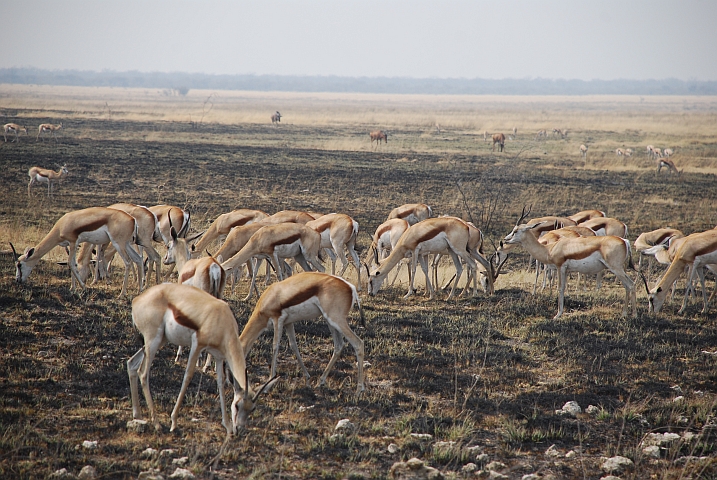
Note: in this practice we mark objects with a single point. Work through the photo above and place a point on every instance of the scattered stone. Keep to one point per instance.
(570, 408)
(149, 452)
(336, 438)
(553, 451)
(683, 420)
(303, 409)
(62, 473)
(652, 451)
(137, 426)
(444, 445)
(167, 452)
(496, 466)
(610, 477)
(692, 458)
(180, 461)
(89, 445)
(88, 472)
(345, 425)
(183, 474)
(497, 476)
(616, 464)
(641, 418)
(571, 454)
(531, 476)
(676, 388)
(393, 448)
(678, 399)
(474, 450)
(469, 468)
(414, 469)
(687, 437)
(482, 458)
(659, 439)
(422, 436)
(151, 474)
(592, 410)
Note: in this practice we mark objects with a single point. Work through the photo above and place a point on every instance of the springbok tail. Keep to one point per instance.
(215, 279)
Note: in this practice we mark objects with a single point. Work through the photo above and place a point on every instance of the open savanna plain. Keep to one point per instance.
(488, 371)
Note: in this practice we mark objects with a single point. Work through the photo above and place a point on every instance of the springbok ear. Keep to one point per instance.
(29, 252)
(219, 259)
(659, 289)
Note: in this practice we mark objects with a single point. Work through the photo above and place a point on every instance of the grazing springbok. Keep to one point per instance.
(498, 138)
(180, 218)
(338, 232)
(668, 152)
(583, 254)
(377, 136)
(606, 226)
(220, 228)
(95, 225)
(619, 152)
(13, 128)
(557, 131)
(444, 235)
(48, 127)
(541, 133)
(693, 253)
(628, 152)
(186, 316)
(288, 216)
(385, 239)
(43, 175)
(666, 162)
(274, 242)
(584, 151)
(235, 241)
(650, 150)
(411, 212)
(276, 118)
(307, 296)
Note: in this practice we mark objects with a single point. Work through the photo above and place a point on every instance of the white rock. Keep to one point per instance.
(303, 409)
(344, 425)
(571, 454)
(678, 399)
(482, 458)
(62, 473)
(88, 472)
(393, 448)
(138, 426)
(497, 476)
(167, 452)
(444, 444)
(182, 473)
(687, 437)
(149, 452)
(572, 408)
(89, 445)
(610, 477)
(180, 461)
(553, 451)
(659, 439)
(530, 476)
(652, 451)
(592, 410)
(495, 466)
(469, 468)
(474, 450)
(151, 474)
(616, 464)
(422, 436)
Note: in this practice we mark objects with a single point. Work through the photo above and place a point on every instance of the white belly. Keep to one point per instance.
(40, 178)
(437, 244)
(306, 310)
(589, 264)
(176, 333)
(288, 250)
(98, 237)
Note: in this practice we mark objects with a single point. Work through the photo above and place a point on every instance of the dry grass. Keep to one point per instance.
(487, 371)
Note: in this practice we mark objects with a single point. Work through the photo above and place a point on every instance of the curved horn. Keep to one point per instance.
(524, 214)
(14, 253)
(264, 387)
(647, 289)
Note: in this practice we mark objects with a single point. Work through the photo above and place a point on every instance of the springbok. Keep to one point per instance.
(666, 162)
(585, 215)
(668, 152)
(498, 138)
(47, 127)
(276, 118)
(186, 316)
(13, 128)
(338, 232)
(619, 152)
(224, 223)
(584, 151)
(43, 175)
(411, 212)
(377, 136)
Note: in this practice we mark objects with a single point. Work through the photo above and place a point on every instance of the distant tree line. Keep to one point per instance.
(293, 83)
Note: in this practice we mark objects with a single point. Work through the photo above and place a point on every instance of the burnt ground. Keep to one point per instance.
(487, 371)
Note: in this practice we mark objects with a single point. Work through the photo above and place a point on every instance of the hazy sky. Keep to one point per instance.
(571, 39)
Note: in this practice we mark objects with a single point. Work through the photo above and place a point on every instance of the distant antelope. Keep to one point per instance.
(44, 175)
(628, 152)
(666, 162)
(515, 132)
(541, 133)
(276, 118)
(486, 135)
(584, 151)
(557, 131)
(656, 152)
(649, 150)
(377, 136)
(667, 152)
(498, 138)
(438, 128)
(619, 152)
(47, 127)
(13, 128)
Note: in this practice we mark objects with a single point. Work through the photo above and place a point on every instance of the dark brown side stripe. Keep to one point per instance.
(301, 297)
(182, 319)
(186, 275)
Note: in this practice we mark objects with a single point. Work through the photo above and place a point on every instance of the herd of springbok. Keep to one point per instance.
(191, 312)
(661, 157)
(14, 128)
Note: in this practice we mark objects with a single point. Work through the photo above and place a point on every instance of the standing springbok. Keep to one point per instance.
(224, 223)
(585, 215)
(377, 136)
(276, 118)
(307, 296)
(48, 127)
(584, 152)
(95, 225)
(187, 316)
(13, 128)
(44, 175)
(668, 152)
(498, 138)
(338, 232)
